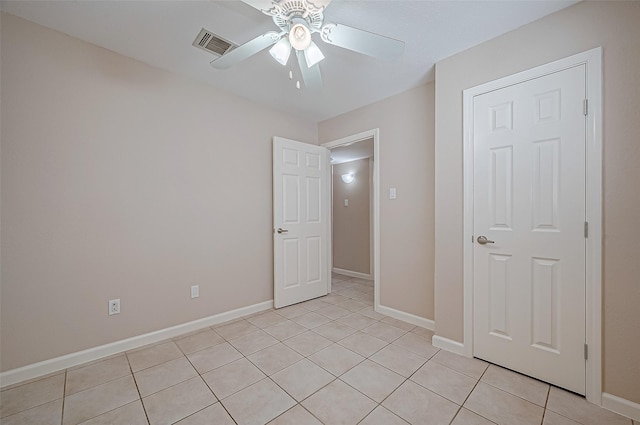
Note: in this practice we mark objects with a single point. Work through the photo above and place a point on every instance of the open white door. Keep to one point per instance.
(301, 221)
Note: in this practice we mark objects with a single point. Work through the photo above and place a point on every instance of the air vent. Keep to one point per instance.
(212, 43)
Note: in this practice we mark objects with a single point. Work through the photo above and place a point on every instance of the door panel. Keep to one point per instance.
(545, 304)
(501, 187)
(499, 295)
(529, 200)
(301, 202)
(546, 169)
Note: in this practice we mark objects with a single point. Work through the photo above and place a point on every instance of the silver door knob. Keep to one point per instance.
(482, 240)
(281, 230)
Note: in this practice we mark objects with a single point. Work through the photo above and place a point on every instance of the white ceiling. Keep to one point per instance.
(358, 150)
(160, 33)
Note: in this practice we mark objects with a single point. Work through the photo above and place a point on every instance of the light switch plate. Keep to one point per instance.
(392, 193)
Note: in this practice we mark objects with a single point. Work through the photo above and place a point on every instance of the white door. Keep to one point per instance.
(301, 221)
(529, 203)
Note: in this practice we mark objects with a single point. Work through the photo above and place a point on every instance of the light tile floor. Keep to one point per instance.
(331, 361)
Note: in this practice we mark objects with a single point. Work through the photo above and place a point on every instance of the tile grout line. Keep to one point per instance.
(378, 404)
(471, 392)
(394, 390)
(456, 415)
(544, 408)
(566, 417)
(460, 406)
(335, 377)
(64, 396)
(546, 402)
(207, 385)
(33, 381)
(107, 382)
(298, 403)
(275, 383)
(135, 382)
(214, 396)
(266, 376)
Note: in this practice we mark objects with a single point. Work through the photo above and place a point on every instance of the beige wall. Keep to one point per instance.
(407, 223)
(614, 26)
(351, 248)
(111, 176)
(124, 181)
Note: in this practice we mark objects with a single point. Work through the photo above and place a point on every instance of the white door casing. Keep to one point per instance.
(301, 221)
(529, 200)
(375, 211)
(592, 59)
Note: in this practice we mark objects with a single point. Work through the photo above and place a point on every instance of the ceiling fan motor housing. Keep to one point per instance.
(284, 12)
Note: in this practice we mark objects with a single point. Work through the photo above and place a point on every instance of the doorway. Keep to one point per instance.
(540, 278)
(357, 158)
(352, 227)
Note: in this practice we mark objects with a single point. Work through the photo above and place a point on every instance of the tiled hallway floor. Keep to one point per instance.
(329, 361)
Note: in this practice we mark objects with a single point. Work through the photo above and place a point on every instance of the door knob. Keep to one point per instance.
(482, 240)
(281, 230)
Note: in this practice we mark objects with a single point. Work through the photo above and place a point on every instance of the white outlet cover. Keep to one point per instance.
(392, 193)
(195, 291)
(114, 307)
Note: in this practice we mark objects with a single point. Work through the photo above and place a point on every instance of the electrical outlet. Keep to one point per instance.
(114, 307)
(195, 291)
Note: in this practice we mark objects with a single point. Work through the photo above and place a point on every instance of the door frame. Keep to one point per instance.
(375, 212)
(592, 59)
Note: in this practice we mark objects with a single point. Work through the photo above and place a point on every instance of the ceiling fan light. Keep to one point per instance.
(313, 54)
(281, 51)
(299, 35)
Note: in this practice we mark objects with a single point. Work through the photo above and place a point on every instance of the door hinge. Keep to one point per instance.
(586, 229)
(586, 351)
(585, 107)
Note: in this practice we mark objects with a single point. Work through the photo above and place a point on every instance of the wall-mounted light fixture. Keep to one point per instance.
(348, 178)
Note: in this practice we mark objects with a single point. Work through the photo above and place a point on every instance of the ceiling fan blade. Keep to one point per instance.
(311, 76)
(262, 5)
(246, 50)
(361, 41)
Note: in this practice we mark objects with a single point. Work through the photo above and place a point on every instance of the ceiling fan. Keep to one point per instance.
(297, 20)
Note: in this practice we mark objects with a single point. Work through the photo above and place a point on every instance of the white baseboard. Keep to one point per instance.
(46, 367)
(621, 406)
(406, 317)
(352, 274)
(448, 344)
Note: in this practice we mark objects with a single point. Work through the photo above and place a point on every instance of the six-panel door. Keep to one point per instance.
(529, 199)
(301, 189)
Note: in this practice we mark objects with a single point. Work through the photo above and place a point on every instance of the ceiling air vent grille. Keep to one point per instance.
(206, 40)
